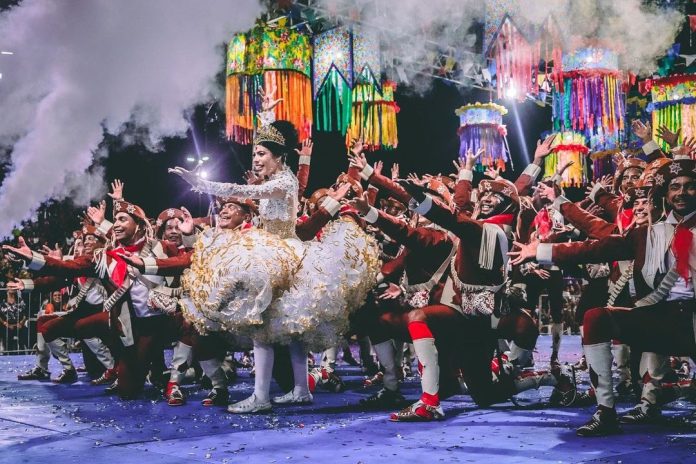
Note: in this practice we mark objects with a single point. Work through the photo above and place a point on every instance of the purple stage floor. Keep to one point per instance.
(55, 424)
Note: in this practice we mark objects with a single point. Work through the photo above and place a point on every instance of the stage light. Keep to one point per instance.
(511, 93)
(203, 174)
(190, 159)
(205, 157)
(6, 53)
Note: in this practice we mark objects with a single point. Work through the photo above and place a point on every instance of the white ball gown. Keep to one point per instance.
(266, 284)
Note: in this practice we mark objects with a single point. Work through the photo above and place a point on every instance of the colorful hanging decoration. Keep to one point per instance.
(333, 79)
(343, 57)
(373, 119)
(270, 59)
(516, 62)
(673, 105)
(568, 146)
(589, 97)
(481, 126)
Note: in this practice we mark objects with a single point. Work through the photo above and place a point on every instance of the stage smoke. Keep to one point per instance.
(80, 67)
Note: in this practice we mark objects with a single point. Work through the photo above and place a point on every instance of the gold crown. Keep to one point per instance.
(268, 134)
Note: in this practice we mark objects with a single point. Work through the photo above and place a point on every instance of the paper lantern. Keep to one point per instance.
(589, 97)
(568, 146)
(268, 59)
(481, 126)
(673, 105)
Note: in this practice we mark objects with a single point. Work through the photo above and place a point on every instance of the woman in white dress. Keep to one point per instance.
(267, 284)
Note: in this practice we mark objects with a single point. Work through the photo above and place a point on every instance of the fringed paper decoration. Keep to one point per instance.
(481, 126)
(516, 62)
(589, 97)
(568, 146)
(333, 79)
(374, 116)
(673, 105)
(270, 59)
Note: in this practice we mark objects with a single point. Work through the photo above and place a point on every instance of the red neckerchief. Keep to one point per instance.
(542, 223)
(681, 246)
(500, 219)
(624, 219)
(121, 269)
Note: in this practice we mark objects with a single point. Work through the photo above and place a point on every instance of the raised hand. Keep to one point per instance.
(668, 136)
(361, 204)
(189, 176)
(687, 148)
(642, 130)
(395, 171)
(415, 179)
(56, 252)
(391, 293)
(306, 149)
(357, 146)
(544, 148)
(357, 160)
(21, 251)
(97, 214)
(251, 178)
(525, 252)
(186, 226)
(561, 168)
(378, 167)
(267, 100)
(459, 165)
(546, 192)
(116, 190)
(340, 192)
(619, 158)
(415, 190)
(471, 159)
(493, 173)
(134, 260)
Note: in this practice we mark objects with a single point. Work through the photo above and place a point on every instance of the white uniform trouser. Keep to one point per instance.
(58, 348)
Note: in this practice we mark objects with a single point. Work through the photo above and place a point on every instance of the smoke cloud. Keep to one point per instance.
(80, 67)
(641, 33)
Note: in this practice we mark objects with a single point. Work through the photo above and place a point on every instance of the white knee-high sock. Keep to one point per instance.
(298, 358)
(424, 343)
(386, 357)
(599, 362)
(263, 365)
(328, 358)
(180, 357)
